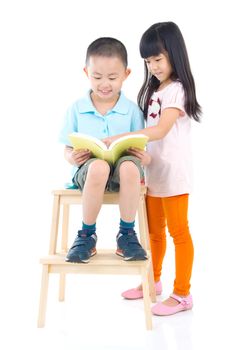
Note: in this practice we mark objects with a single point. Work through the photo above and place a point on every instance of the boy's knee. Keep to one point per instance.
(129, 171)
(98, 170)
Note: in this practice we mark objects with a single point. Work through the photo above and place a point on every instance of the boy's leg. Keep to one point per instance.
(129, 181)
(91, 179)
(129, 190)
(92, 193)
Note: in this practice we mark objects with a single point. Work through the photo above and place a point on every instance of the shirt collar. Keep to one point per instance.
(85, 105)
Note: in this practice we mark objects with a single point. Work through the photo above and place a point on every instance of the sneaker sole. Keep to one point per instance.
(76, 261)
(131, 258)
(135, 258)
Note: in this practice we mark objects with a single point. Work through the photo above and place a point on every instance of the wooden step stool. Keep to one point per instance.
(104, 262)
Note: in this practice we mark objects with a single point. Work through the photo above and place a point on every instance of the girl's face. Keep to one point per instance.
(106, 75)
(160, 67)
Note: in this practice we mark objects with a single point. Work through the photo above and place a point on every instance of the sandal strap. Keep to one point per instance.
(183, 301)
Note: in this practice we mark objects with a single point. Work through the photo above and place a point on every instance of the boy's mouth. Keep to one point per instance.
(105, 92)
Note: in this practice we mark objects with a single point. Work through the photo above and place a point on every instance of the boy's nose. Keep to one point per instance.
(105, 83)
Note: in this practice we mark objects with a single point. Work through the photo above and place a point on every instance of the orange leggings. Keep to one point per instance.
(171, 211)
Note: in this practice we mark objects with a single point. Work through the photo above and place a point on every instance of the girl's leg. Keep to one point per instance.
(92, 194)
(157, 232)
(176, 210)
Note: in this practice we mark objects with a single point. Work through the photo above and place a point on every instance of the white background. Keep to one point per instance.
(43, 45)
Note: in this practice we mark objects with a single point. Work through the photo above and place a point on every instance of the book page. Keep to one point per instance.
(83, 141)
(118, 147)
(132, 139)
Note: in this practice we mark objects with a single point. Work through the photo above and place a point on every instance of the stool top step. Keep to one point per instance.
(102, 258)
(68, 192)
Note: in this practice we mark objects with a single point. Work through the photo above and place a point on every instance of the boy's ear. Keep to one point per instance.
(128, 71)
(86, 71)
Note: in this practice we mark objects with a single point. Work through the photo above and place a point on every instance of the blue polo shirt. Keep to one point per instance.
(83, 117)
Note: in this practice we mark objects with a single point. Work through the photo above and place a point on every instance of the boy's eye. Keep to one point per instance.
(112, 78)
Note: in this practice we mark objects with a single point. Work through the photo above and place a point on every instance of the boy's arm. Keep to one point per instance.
(76, 157)
(144, 156)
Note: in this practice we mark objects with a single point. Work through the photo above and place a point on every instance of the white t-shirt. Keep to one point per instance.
(170, 171)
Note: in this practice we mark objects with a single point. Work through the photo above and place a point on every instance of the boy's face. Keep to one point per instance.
(106, 75)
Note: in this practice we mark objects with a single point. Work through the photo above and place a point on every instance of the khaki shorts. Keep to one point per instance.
(113, 180)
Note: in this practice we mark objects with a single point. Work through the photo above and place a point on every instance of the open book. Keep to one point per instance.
(101, 151)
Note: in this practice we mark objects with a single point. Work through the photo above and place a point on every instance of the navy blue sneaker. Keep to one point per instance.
(83, 248)
(129, 247)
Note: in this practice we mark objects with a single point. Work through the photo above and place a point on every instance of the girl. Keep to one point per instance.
(168, 100)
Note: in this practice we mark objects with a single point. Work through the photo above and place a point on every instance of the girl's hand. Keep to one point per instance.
(77, 157)
(110, 139)
(144, 156)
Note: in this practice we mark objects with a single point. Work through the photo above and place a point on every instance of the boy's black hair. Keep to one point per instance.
(107, 47)
(167, 38)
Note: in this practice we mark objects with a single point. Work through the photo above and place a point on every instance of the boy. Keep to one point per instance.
(104, 112)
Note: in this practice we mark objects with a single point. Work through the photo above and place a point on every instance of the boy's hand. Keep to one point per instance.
(80, 156)
(77, 157)
(144, 156)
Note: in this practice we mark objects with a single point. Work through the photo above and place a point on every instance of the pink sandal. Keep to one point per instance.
(185, 303)
(136, 293)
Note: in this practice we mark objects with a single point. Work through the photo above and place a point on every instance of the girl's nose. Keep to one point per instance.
(153, 66)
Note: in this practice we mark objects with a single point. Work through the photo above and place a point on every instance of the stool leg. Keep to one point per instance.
(145, 241)
(152, 283)
(43, 296)
(146, 298)
(62, 286)
(143, 223)
(65, 226)
(64, 242)
(54, 224)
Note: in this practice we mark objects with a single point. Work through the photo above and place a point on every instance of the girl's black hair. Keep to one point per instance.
(167, 38)
(107, 47)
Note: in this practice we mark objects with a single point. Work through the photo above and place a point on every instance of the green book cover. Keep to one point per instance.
(100, 150)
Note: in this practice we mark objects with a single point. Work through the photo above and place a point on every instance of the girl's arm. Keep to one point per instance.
(157, 132)
(167, 120)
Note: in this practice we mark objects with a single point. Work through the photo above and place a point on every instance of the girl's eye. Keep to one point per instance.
(112, 78)
(97, 78)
